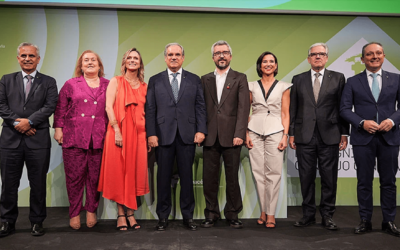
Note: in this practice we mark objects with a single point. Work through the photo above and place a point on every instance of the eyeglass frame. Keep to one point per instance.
(222, 53)
(320, 54)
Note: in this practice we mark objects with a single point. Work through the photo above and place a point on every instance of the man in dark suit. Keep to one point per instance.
(175, 122)
(317, 133)
(375, 134)
(27, 99)
(227, 97)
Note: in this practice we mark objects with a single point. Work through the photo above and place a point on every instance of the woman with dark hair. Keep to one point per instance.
(123, 174)
(80, 123)
(267, 134)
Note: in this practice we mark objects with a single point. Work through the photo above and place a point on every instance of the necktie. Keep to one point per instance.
(317, 86)
(28, 86)
(174, 85)
(375, 86)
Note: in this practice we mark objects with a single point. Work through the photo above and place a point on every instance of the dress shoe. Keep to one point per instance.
(190, 224)
(328, 223)
(37, 229)
(236, 224)
(207, 223)
(6, 229)
(162, 225)
(390, 228)
(363, 227)
(304, 222)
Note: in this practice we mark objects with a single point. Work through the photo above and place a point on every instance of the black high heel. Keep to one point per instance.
(122, 227)
(135, 226)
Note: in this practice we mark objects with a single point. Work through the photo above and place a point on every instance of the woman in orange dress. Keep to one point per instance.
(123, 174)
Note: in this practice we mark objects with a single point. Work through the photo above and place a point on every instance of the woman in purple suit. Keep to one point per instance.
(80, 123)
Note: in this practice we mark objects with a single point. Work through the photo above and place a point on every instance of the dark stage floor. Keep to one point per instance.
(104, 236)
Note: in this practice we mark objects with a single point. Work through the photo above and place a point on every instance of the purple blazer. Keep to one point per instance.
(82, 114)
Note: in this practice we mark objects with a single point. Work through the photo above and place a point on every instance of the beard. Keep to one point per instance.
(226, 65)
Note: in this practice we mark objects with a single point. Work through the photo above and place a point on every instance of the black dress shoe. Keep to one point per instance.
(363, 227)
(328, 223)
(37, 229)
(390, 228)
(162, 225)
(236, 224)
(6, 229)
(304, 222)
(207, 223)
(190, 224)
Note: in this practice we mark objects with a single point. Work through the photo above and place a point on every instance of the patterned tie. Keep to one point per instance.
(174, 85)
(317, 86)
(375, 86)
(28, 85)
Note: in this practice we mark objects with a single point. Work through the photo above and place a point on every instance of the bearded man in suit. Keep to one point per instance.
(317, 133)
(27, 100)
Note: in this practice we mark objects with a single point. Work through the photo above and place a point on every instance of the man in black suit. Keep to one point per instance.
(317, 133)
(375, 134)
(227, 97)
(27, 99)
(175, 122)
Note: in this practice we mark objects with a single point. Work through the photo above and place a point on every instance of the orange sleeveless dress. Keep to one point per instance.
(124, 174)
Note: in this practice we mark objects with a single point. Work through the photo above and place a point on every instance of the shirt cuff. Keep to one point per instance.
(391, 121)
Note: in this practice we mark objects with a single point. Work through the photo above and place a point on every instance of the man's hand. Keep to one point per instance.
(30, 132)
(291, 142)
(343, 142)
(370, 126)
(199, 138)
(23, 125)
(152, 141)
(385, 125)
(237, 141)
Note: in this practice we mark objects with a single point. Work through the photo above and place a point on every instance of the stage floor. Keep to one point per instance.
(104, 236)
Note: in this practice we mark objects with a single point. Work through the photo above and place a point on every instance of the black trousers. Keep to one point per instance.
(211, 169)
(11, 164)
(165, 156)
(327, 157)
(387, 159)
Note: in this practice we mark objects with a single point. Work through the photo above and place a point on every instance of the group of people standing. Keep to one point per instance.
(107, 127)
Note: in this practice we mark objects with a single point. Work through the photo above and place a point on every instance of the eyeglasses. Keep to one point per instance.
(320, 54)
(222, 53)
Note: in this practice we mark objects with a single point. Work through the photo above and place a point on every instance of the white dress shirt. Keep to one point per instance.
(178, 77)
(370, 78)
(322, 72)
(33, 74)
(220, 82)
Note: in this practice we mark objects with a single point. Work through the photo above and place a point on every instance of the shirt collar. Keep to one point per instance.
(33, 74)
(369, 72)
(170, 72)
(224, 74)
(322, 72)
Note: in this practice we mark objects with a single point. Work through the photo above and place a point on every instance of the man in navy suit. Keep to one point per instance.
(175, 122)
(375, 134)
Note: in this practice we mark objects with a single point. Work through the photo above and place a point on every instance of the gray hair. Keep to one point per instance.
(366, 45)
(28, 44)
(220, 42)
(319, 44)
(173, 44)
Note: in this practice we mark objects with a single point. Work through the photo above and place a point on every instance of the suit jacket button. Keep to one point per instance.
(85, 100)
(219, 112)
(269, 111)
(93, 116)
(95, 102)
(82, 115)
(24, 108)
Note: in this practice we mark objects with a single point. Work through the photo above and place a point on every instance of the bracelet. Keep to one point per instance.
(112, 123)
(286, 135)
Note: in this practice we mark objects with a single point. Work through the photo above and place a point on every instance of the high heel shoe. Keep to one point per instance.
(134, 226)
(124, 226)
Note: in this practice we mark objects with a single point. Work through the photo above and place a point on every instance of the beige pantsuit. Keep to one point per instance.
(266, 132)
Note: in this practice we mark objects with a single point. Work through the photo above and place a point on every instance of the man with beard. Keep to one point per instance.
(375, 134)
(226, 94)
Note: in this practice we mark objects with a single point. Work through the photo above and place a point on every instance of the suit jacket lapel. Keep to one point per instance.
(85, 87)
(35, 84)
(326, 79)
(364, 82)
(182, 86)
(212, 88)
(167, 85)
(229, 83)
(386, 83)
(102, 87)
(21, 87)
(309, 86)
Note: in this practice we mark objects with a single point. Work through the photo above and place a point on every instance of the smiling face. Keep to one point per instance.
(268, 65)
(132, 62)
(317, 58)
(90, 64)
(373, 57)
(28, 59)
(174, 58)
(222, 56)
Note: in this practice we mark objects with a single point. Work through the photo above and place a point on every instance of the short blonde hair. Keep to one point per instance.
(78, 68)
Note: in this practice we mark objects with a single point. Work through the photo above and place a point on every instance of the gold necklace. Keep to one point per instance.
(133, 83)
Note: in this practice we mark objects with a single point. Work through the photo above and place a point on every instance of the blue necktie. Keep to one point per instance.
(375, 86)
(174, 85)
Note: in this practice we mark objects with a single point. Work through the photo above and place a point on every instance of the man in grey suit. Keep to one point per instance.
(27, 99)
(317, 133)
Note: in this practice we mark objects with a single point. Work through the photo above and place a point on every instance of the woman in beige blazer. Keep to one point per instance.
(267, 134)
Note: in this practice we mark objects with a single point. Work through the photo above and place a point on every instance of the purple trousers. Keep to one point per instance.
(82, 168)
